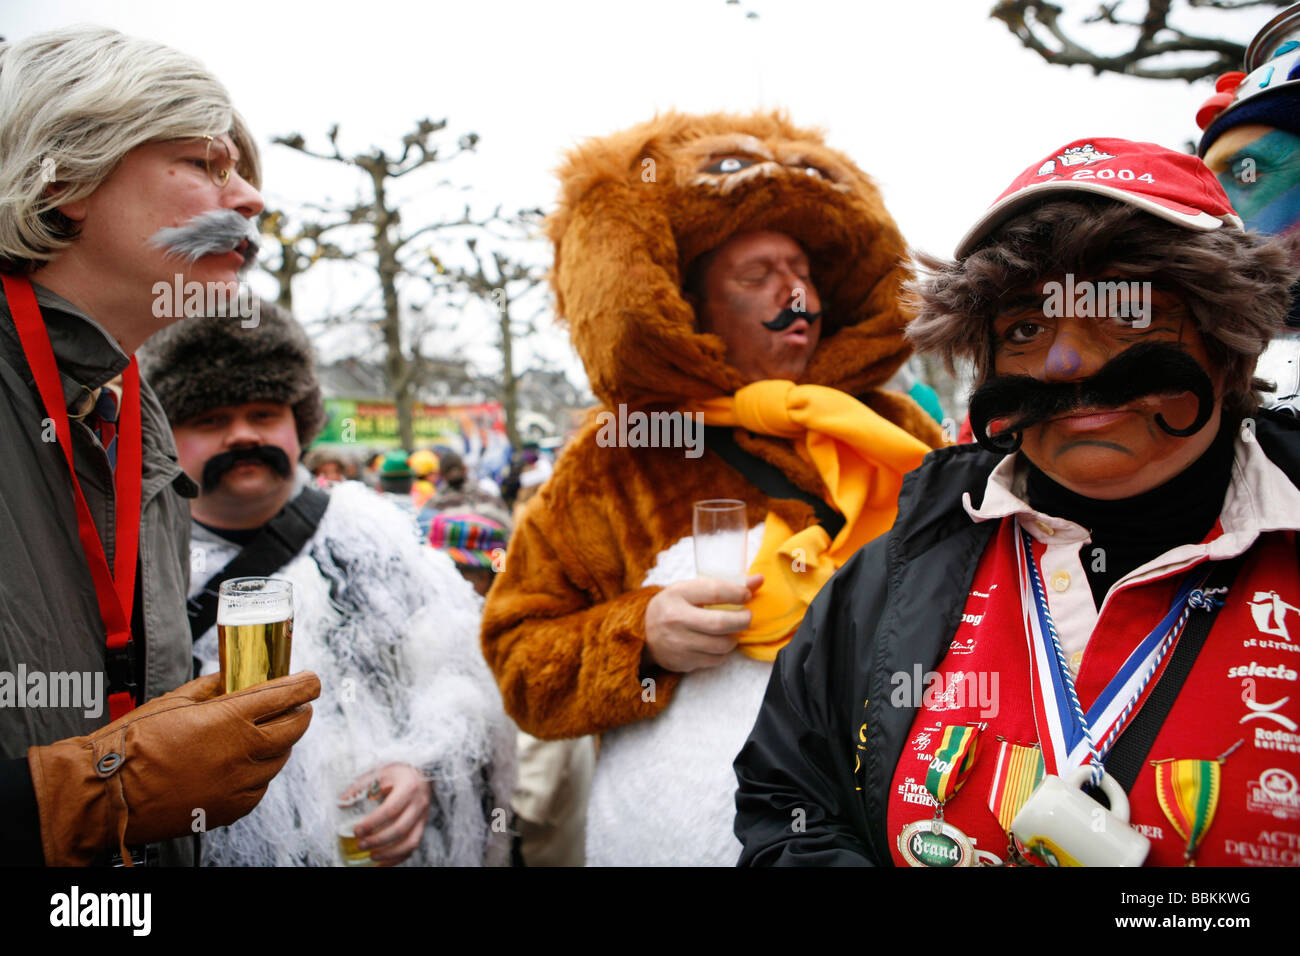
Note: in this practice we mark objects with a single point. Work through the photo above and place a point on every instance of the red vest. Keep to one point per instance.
(1245, 685)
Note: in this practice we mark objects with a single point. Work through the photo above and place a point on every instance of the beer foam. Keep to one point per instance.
(270, 613)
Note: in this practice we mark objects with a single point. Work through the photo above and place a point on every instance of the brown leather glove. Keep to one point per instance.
(141, 778)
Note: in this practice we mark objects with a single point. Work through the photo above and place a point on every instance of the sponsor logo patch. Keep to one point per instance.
(1270, 613)
(1279, 740)
(1268, 712)
(913, 792)
(1255, 669)
(1276, 793)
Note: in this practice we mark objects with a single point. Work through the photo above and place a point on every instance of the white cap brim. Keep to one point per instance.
(1007, 207)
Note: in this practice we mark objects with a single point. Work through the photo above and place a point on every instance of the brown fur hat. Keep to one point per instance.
(198, 364)
(1235, 285)
(638, 207)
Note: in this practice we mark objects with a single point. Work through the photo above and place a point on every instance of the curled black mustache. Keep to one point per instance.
(788, 317)
(209, 233)
(221, 463)
(1152, 368)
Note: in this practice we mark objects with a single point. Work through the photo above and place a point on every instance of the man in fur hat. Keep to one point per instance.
(409, 713)
(123, 170)
(1103, 594)
(731, 284)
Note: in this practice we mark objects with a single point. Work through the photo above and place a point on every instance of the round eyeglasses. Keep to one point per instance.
(219, 163)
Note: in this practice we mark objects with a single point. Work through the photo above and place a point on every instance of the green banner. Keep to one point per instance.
(372, 424)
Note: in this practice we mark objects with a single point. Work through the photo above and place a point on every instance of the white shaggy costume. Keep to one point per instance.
(629, 818)
(391, 629)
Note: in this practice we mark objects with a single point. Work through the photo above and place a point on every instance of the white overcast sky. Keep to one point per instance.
(935, 100)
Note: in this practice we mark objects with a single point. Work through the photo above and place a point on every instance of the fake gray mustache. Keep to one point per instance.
(211, 233)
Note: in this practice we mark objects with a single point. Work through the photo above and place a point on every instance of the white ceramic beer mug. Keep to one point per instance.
(1063, 825)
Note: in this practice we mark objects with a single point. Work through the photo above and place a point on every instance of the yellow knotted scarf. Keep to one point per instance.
(861, 458)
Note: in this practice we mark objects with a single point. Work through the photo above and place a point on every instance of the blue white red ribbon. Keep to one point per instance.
(1073, 738)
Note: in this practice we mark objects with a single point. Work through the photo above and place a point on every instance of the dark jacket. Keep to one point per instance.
(49, 617)
(896, 603)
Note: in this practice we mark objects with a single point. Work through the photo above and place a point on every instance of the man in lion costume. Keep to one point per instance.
(736, 279)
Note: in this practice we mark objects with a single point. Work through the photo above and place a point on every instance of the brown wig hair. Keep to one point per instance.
(1236, 286)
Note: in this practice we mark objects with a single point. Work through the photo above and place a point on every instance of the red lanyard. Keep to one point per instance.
(115, 590)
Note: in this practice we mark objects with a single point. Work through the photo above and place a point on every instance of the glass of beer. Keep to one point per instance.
(721, 543)
(254, 631)
(351, 812)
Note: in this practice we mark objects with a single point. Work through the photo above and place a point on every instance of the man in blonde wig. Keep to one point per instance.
(124, 170)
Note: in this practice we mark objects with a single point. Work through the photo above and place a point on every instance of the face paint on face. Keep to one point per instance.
(759, 298)
(1102, 430)
(1063, 362)
(1259, 168)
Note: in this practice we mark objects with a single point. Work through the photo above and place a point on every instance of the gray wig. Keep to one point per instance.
(73, 102)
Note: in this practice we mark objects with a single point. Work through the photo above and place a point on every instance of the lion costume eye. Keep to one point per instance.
(730, 164)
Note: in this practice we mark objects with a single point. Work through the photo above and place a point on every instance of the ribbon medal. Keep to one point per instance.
(937, 842)
(1188, 791)
(1018, 773)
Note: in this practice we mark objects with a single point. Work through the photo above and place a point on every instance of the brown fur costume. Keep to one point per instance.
(563, 628)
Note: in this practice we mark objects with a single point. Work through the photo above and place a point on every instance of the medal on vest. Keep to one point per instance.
(1018, 773)
(937, 842)
(1188, 791)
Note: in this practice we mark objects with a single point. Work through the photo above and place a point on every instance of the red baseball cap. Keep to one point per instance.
(1172, 185)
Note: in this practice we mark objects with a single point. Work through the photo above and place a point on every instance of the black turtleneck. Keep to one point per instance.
(1132, 531)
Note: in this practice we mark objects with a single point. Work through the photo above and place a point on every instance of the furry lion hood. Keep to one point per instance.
(638, 207)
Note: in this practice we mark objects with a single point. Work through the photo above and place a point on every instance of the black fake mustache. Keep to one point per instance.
(221, 463)
(210, 233)
(1152, 368)
(788, 317)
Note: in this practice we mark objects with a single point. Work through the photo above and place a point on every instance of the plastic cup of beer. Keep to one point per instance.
(254, 631)
(352, 812)
(721, 543)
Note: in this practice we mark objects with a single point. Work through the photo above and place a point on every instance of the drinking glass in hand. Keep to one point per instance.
(254, 631)
(721, 543)
(353, 808)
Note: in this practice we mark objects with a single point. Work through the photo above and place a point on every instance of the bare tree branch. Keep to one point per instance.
(503, 285)
(464, 220)
(1233, 4)
(296, 141)
(298, 250)
(404, 364)
(1036, 24)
